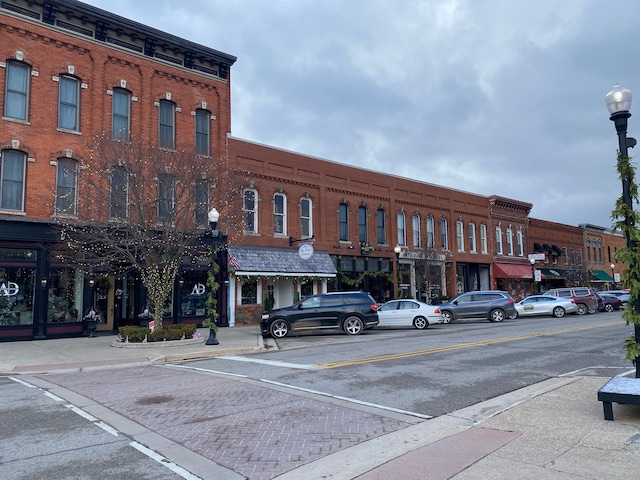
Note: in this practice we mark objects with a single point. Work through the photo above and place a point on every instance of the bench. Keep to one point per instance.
(619, 390)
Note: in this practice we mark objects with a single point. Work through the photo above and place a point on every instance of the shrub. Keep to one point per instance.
(173, 332)
(134, 334)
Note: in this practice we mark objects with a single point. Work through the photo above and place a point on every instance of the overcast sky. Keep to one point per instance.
(491, 97)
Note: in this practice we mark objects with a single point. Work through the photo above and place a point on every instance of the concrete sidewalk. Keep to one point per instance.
(551, 430)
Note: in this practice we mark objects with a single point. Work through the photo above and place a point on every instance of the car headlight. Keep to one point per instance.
(265, 316)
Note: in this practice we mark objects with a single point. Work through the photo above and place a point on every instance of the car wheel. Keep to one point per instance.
(447, 316)
(513, 316)
(353, 326)
(279, 329)
(558, 312)
(593, 310)
(582, 309)
(420, 323)
(608, 307)
(496, 315)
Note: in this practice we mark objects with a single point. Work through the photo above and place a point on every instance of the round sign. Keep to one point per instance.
(305, 251)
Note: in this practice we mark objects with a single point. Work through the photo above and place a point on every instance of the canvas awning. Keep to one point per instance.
(552, 273)
(249, 260)
(601, 276)
(510, 270)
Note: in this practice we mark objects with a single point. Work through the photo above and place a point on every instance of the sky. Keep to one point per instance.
(492, 97)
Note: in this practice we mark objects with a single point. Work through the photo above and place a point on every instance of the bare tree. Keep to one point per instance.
(429, 274)
(143, 209)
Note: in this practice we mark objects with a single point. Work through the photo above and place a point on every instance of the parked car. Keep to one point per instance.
(609, 302)
(623, 295)
(407, 313)
(351, 312)
(493, 305)
(546, 305)
(585, 298)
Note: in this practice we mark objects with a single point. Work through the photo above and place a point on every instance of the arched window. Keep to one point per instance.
(431, 239)
(444, 237)
(343, 222)
(121, 115)
(363, 235)
(380, 227)
(509, 241)
(460, 235)
(66, 187)
(499, 240)
(402, 232)
(472, 237)
(415, 230)
(13, 169)
(203, 132)
(202, 190)
(279, 214)
(16, 90)
(167, 125)
(250, 208)
(166, 198)
(69, 103)
(520, 242)
(483, 239)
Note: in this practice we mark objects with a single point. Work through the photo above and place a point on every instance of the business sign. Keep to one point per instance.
(305, 251)
(537, 257)
(538, 276)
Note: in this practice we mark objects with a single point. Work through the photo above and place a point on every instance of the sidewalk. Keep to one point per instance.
(551, 430)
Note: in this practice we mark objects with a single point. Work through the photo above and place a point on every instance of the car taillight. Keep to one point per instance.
(573, 301)
(437, 310)
(511, 302)
(375, 307)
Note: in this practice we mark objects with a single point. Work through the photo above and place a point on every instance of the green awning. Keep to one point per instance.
(601, 276)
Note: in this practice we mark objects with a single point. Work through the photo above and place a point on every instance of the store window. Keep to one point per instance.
(194, 293)
(63, 295)
(249, 293)
(17, 286)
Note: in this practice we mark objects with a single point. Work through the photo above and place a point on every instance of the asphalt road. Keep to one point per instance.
(443, 368)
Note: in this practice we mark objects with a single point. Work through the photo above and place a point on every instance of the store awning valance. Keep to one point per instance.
(601, 276)
(509, 270)
(556, 250)
(552, 273)
(249, 260)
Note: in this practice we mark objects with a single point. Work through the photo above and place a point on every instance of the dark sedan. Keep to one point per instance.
(609, 302)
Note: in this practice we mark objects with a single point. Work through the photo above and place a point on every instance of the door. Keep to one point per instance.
(103, 299)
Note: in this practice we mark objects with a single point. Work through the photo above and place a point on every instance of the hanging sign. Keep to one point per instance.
(305, 251)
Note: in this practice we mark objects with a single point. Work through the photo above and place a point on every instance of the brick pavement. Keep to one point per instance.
(253, 429)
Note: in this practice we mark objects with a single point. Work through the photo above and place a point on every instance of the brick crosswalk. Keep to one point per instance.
(255, 430)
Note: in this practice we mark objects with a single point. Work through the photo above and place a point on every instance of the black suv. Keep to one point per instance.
(350, 311)
(493, 305)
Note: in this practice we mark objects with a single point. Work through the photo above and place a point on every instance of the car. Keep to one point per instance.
(585, 298)
(350, 312)
(546, 305)
(492, 305)
(621, 294)
(609, 302)
(407, 313)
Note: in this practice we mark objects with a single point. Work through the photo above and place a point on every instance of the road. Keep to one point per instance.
(240, 411)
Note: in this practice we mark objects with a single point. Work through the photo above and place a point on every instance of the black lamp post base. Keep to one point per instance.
(212, 340)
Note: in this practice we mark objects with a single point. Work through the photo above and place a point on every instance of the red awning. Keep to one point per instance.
(509, 270)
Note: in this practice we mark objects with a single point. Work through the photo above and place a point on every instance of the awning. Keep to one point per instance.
(600, 276)
(550, 273)
(547, 248)
(510, 270)
(249, 260)
(556, 250)
(537, 247)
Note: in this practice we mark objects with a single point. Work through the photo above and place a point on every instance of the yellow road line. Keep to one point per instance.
(394, 356)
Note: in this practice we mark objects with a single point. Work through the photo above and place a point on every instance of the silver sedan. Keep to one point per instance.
(546, 305)
(408, 313)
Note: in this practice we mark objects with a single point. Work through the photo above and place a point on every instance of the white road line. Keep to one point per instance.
(164, 461)
(272, 363)
(347, 399)
(208, 370)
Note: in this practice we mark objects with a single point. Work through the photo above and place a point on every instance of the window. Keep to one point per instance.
(444, 238)
(306, 224)
(460, 235)
(16, 95)
(202, 203)
(166, 198)
(119, 195)
(343, 222)
(483, 238)
(402, 234)
(362, 225)
(249, 293)
(120, 115)
(166, 134)
(250, 209)
(520, 242)
(499, 240)
(12, 175)
(573, 256)
(588, 249)
(579, 256)
(66, 186)
(415, 227)
(279, 214)
(431, 240)
(509, 241)
(380, 227)
(203, 132)
(68, 103)
(564, 255)
(472, 237)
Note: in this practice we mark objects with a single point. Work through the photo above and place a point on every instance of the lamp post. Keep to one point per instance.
(397, 249)
(213, 216)
(618, 102)
(533, 276)
(613, 277)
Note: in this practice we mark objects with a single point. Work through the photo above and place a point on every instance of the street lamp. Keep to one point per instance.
(213, 216)
(397, 249)
(533, 276)
(613, 278)
(618, 102)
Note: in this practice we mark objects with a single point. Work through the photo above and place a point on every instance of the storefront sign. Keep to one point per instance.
(9, 289)
(305, 251)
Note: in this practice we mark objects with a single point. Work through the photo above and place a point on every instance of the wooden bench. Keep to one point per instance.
(619, 390)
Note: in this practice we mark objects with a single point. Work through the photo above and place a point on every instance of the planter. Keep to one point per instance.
(212, 340)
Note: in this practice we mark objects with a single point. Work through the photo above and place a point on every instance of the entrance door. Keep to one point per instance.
(103, 300)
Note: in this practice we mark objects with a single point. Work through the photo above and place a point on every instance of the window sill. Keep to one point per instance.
(66, 130)
(13, 212)
(17, 120)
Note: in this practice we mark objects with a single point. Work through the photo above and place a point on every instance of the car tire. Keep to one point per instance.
(420, 323)
(558, 312)
(279, 328)
(513, 316)
(608, 307)
(496, 315)
(582, 309)
(593, 310)
(353, 326)
(447, 316)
